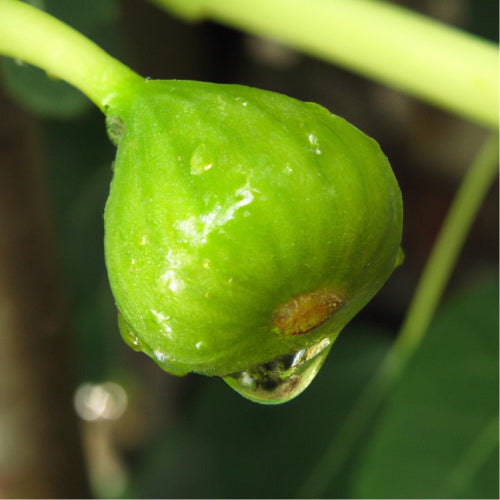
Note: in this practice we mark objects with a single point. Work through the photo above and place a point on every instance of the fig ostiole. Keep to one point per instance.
(243, 230)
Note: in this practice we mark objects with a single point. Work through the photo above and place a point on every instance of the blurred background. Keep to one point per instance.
(83, 415)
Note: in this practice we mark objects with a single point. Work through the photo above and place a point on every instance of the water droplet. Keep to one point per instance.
(133, 266)
(313, 141)
(115, 129)
(281, 379)
(200, 161)
(173, 281)
(127, 334)
(163, 321)
(197, 228)
(160, 356)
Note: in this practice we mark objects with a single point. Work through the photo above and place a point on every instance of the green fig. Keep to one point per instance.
(243, 230)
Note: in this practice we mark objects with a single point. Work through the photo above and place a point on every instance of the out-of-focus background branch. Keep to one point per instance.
(40, 451)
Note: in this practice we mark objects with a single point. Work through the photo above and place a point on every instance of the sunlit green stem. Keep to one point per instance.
(31, 35)
(417, 55)
(429, 291)
(445, 252)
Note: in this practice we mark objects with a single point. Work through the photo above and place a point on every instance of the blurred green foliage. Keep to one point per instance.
(437, 435)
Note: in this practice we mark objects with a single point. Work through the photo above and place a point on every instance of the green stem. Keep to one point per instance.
(417, 55)
(446, 250)
(31, 35)
(429, 291)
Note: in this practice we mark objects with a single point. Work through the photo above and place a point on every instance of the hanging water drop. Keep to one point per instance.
(281, 379)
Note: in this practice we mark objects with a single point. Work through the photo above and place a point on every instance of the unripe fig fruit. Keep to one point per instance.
(243, 230)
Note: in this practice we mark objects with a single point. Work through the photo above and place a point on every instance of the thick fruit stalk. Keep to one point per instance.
(243, 230)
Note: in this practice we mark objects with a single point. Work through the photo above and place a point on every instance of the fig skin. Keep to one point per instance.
(226, 204)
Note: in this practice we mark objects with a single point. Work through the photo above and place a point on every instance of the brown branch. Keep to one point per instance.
(40, 450)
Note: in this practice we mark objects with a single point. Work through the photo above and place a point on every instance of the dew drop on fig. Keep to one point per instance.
(128, 335)
(200, 160)
(115, 128)
(281, 379)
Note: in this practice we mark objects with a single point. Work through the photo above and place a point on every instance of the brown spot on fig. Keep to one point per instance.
(307, 311)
